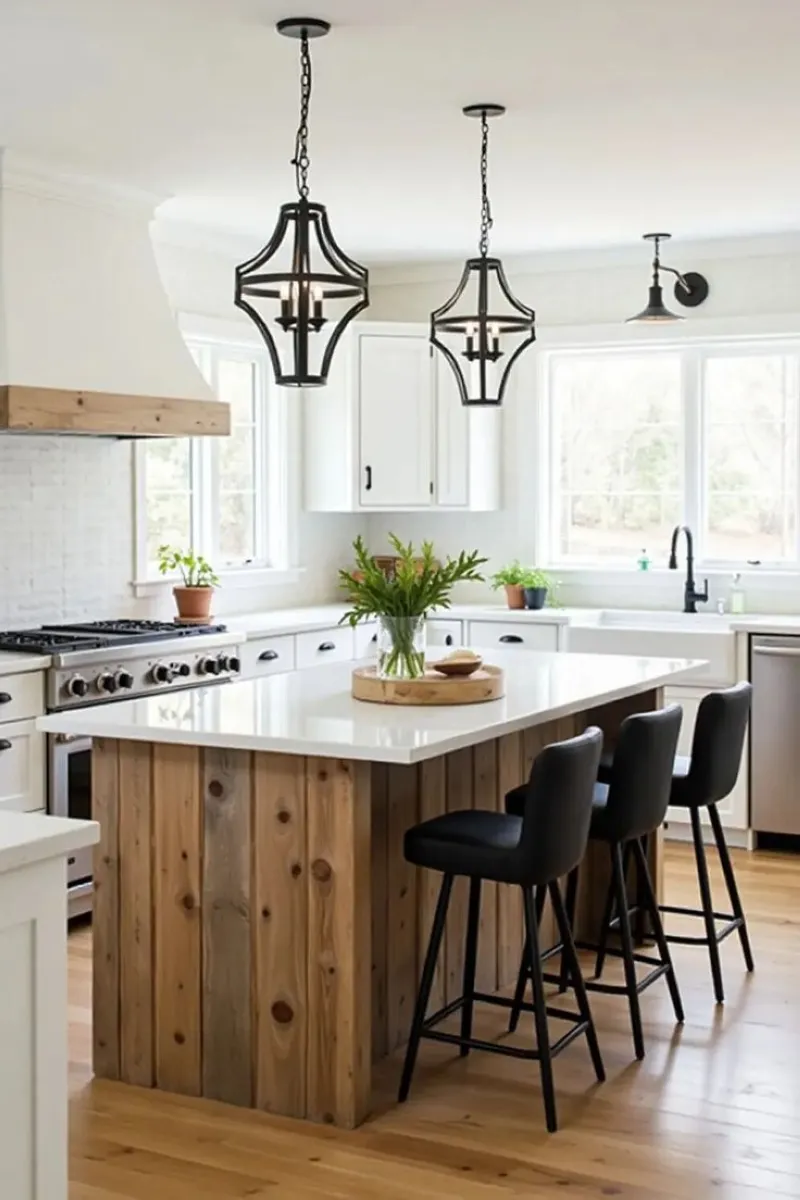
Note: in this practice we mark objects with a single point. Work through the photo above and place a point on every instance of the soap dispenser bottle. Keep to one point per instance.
(737, 594)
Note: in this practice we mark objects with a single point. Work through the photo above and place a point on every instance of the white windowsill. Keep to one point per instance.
(230, 580)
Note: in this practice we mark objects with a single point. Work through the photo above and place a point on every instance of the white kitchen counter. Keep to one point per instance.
(16, 664)
(325, 616)
(312, 712)
(27, 838)
(758, 623)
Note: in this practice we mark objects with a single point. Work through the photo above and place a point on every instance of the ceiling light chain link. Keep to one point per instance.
(486, 208)
(301, 161)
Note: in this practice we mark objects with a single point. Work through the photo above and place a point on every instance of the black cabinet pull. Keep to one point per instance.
(5, 744)
(368, 484)
(448, 641)
(70, 862)
(268, 656)
(326, 646)
(5, 697)
(374, 637)
(511, 637)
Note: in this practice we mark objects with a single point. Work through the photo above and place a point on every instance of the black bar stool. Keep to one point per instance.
(532, 851)
(625, 810)
(701, 781)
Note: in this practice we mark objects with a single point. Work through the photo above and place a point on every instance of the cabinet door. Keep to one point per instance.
(268, 656)
(452, 439)
(22, 767)
(515, 635)
(395, 398)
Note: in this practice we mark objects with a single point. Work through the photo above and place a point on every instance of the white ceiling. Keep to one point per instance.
(623, 115)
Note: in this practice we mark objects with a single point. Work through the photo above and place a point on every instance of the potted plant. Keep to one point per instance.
(193, 597)
(402, 599)
(512, 578)
(535, 585)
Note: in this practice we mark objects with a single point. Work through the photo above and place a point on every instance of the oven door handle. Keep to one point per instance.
(5, 744)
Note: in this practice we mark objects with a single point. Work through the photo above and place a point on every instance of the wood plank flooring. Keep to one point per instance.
(713, 1111)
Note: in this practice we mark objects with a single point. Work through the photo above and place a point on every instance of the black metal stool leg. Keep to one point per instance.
(618, 862)
(540, 1011)
(649, 900)
(573, 969)
(571, 902)
(609, 914)
(426, 983)
(470, 959)
(730, 883)
(708, 905)
(525, 967)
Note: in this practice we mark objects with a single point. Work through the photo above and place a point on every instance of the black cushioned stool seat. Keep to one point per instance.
(629, 805)
(530, 850)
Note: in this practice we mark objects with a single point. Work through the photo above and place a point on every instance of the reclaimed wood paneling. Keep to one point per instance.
(227, 1028)
(280, 911)
(487, 796)
(177, 817)
(432, 803)
(460, 787)
(380, 910)
(339, 1070)
(106, 920)
(401, 933)
(136, 913)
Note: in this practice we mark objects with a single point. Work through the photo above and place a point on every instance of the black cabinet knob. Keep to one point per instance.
(5, 697)
(327, 646)
(268, 656)
(448, 641)
(5, 744)
(511, 637)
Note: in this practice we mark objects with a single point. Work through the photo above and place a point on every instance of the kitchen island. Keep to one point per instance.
(257, 931)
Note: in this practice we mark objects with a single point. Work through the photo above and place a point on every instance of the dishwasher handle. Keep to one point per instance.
(776, 651)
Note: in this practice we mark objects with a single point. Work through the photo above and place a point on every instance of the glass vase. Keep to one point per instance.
(401, 647)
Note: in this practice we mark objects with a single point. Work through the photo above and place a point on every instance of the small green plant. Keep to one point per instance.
(195, 570)
(511, 575)
(402, 598)
(533, 577)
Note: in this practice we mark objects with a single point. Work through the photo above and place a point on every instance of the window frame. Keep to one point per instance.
(275, 498)
(694, 352)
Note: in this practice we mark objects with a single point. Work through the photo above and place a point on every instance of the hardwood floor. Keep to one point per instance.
(714, 1109)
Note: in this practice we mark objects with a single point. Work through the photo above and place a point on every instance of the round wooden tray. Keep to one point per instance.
(488, 683)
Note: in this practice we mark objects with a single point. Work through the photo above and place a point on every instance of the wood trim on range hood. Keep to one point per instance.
(104, 414)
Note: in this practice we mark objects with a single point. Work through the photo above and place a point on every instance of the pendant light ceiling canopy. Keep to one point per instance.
(483, 322)
(691, 289)
(302, 290)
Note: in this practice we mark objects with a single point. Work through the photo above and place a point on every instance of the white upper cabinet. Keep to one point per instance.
(389, 431)
(395, 412)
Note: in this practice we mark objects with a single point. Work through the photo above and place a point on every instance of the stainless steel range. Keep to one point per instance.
(103, 662)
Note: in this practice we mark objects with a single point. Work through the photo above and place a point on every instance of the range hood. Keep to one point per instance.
(88, 344)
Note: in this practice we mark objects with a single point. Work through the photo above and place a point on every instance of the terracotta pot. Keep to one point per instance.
(515, 595)
(194, 603)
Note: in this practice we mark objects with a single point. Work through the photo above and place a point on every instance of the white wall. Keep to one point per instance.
(754, 285)
(66, 504)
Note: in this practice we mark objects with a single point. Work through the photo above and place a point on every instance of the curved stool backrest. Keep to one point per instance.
(641, 773)
(718, 743)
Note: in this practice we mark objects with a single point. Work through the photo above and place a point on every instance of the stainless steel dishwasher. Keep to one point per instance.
(775, 735)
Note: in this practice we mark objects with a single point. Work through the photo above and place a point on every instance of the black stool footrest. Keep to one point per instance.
(579, 1026)
(732, 923)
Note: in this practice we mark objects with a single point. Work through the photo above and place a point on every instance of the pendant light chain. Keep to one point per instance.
(301, 161)
(486, 208)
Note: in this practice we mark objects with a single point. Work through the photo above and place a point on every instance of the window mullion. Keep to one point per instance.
(694, 449)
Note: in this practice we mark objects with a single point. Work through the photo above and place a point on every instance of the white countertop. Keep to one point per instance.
(15, 664)
(27, 838)
(763, 623)
(326, 616)
(312, 711)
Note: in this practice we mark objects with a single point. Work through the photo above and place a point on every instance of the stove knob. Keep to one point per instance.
(76, 686)
(162, 673)
(208, 666)
(230, 662)
(183, 669)
(105, 683)
(124, 679)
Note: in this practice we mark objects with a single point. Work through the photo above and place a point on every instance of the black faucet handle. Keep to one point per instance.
(702, 596)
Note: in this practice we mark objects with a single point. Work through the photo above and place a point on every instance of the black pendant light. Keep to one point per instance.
(309, 283)
(691, 289)
(496, 325)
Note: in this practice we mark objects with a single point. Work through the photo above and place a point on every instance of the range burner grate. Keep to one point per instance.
(45, 641)
(137, 630)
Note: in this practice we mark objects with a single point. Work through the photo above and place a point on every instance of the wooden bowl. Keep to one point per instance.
(457, 666)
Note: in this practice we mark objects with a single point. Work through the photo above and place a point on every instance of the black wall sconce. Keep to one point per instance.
(691, 288)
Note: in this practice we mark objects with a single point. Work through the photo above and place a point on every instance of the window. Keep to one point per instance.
(216, 494)
(641, 440)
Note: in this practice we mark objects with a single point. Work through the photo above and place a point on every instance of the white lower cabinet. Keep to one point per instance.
(733, 810)
(513, 635)
(321, 646)
(22, 767)
(365, 638)
(442, 632)
(268, 656)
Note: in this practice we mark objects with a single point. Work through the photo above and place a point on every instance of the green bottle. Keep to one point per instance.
(643, 562)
